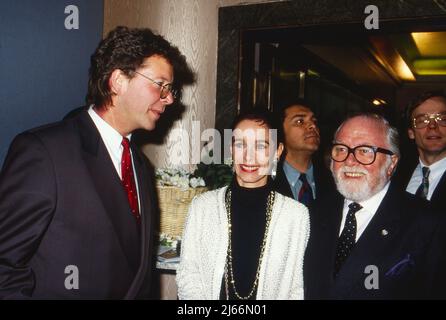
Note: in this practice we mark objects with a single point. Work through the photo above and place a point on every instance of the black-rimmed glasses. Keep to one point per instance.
(165, 88)
(363, 154)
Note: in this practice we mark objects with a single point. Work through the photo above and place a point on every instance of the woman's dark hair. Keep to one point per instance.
(264, 117)
(126, 49)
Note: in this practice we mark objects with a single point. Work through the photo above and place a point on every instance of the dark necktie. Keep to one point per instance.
(305, 195)
(347, 240)
(423, 189)
(128, 180)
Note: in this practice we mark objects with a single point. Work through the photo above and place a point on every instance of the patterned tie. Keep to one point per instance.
(423, 189)
(347, 240)
(305, 195)
(128, 180)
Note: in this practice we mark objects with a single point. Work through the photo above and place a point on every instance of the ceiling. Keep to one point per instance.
(383, 62)
(389, 59)
(377, 64)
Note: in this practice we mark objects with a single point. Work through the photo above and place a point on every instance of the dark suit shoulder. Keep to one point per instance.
(63, 139)
(415, 215)
(280, 183)
(328, 201)
(438, 201)
(411, 205)
(54, 130)
(323, 178)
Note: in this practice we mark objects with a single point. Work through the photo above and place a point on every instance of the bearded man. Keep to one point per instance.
(371, 240)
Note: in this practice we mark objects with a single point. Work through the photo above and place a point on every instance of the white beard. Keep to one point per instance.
(358, 190)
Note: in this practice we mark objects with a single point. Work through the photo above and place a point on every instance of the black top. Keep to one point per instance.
(248, 218)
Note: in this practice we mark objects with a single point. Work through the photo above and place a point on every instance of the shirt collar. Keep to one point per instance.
(107, 132)
(293, 175)
(372, 204)
(436, 169)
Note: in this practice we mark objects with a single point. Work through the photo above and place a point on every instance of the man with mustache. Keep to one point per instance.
(427, 127)
(299, 176)
(77, 204)
(372, 240)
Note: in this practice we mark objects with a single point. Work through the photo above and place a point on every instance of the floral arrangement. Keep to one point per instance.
(178, 178)
(168, 241)
(212, 176)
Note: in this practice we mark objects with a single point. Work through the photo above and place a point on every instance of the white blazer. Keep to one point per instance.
(205, 243)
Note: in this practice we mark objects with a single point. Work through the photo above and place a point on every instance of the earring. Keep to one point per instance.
(274, 168)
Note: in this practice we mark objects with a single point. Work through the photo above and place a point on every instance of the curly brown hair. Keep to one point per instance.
(126, 49)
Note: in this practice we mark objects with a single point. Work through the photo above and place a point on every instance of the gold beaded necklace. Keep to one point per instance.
(229, 269)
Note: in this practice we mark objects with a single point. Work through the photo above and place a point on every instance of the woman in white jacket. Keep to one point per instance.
(245, 241)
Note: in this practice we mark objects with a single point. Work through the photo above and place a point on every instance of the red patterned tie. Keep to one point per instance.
(128, 180)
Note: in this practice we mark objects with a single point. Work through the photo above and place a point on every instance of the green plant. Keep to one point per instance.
(214, 175)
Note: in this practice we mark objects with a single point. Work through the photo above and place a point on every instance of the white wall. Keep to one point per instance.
(192, 25)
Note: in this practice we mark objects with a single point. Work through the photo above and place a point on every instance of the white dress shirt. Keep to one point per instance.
(112, 140)
(368, 210)
(437, 170)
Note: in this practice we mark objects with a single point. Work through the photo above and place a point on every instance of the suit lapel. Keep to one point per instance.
(333, 224)
(325, 224)
(371, 246)
(109, 188)
(318, 181)
(281, 182)
(323, 180)
(440, 191)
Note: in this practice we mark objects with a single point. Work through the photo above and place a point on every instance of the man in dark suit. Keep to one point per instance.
(373, 240)
(299, 176)
(77, 201)
(427, 127)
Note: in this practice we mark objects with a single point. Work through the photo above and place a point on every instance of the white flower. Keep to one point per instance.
(178, 178)
(197, 182)
(193, 182)
(168, 240)
(183, 183)
(174, 180)
(228, 161)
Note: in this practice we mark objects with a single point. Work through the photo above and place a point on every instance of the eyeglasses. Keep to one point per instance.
(363, 154)
(423, 120)
(165, 88)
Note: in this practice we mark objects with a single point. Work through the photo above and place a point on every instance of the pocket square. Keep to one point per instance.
(402, 265)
